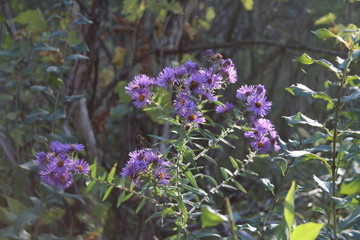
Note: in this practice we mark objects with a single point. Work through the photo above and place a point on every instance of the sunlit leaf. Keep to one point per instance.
(210, 218)
(248, 4)
(289, 206)
(327, 19)
(325, 186)
(307, 231)
(268, 185)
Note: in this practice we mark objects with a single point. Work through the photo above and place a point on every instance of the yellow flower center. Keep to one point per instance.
(192, 117)
(258, 104)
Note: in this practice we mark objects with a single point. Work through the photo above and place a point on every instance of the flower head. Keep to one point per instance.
(244, 92)
(224, 108)
(167, 77)
(141, 97)
(229, 71)
(139, 81)
(191, 67)
(258, 105)
(81, 166)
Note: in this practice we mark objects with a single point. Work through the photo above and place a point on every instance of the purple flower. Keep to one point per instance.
(180, 72)
(191, 67)
(260, 90)
(58, 147)
(183, 100)
(244, 92)
(208, 96)
(209, 54)
(262, 145)
(141, 97)
(63, 180)
(81, 166)
(212, 81)
(273, 140)
(162, 176)
(60, 164)
(195, 83)
(258, 105)
(261, 128)
(166, 77)
(60, 180)
(144, 163)
(195, 117)
(229, 71)
(139, 81)
(73, 147)
(224, 108)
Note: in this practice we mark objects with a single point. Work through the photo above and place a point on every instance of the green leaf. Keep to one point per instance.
(300, 118)
(289, 206)
(239, 186)
(267, 184)
(307, 231)
(325, 186)
(189, 176)
(350, 186)
(234, 163)
(248, 4)
(210, 218)
(112, 173)
(44, 47)
(305, 156)
(24, 219)
(327, 19)
(108, 191)
(140, 206)
(281, 163)
(350, 220)
(183, 209)
(93, 168)
(133, 9)
(127, 197)
(34, 19)
(81, 47)
(324, 34)
(90, 186)
(302, 90)
(120, 199)
(281, 232)
(44, 89)
(306, 59)
(353, 96)
(75, 57)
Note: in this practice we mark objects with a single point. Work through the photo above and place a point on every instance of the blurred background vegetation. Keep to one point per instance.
(63, 68)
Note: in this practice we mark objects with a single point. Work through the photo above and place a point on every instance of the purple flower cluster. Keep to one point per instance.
(56, 167)
(194, 85)
(263, 134)
(140, 90)
(146, 163)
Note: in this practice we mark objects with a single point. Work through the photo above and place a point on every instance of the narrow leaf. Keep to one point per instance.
(289, 208)
(140, 206)
(108, 191)
(112, 173)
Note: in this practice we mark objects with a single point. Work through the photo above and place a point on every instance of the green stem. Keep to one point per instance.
(334, 153)
(231, 218)
(55, 109)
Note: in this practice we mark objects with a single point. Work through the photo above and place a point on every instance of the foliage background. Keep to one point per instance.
(63, 66)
